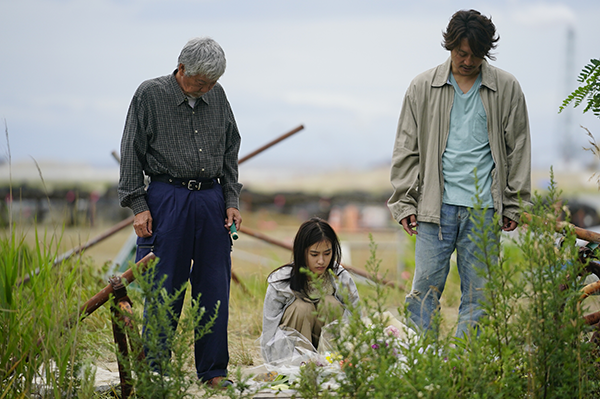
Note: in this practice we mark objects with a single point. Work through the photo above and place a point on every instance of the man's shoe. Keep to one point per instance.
(218, 383)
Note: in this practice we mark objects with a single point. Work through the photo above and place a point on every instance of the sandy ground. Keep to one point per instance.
(107, 377)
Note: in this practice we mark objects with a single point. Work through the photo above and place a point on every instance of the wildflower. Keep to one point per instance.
(392, 331)
(332, 357)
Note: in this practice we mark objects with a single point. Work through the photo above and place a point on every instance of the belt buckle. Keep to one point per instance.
(194, 185)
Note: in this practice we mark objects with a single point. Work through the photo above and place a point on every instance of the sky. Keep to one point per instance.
(338, 67)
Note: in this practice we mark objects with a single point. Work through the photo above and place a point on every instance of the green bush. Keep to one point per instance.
(532, 343)
(164, 373)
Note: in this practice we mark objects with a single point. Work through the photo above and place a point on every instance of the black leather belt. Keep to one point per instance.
(190, 184)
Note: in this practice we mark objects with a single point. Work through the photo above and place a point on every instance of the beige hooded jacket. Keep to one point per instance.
(416, 173)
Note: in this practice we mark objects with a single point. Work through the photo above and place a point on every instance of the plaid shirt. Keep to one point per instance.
(164, 135)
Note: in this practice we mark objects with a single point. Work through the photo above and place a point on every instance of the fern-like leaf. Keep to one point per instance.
(590, 89)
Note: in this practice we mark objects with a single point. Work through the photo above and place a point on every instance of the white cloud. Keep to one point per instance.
(543, 14)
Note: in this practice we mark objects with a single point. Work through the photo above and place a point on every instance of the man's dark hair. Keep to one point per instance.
(479, 31)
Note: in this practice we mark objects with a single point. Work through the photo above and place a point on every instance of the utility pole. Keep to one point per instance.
(567, 143)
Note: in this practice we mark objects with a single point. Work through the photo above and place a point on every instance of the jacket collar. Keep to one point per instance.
(280, 274)
(442, 75)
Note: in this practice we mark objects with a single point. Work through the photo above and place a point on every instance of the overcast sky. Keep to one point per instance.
(340, 68)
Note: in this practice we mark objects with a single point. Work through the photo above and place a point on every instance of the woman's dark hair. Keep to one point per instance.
(311, 232)
(479, 31)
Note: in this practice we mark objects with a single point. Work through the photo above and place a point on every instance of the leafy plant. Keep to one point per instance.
(532, 343)
(552, 323)
(309, 381)
(161, 358)
(590, 89)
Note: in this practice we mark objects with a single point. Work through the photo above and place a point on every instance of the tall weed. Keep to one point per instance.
(161, 359)
(40, 347)
(556, 358)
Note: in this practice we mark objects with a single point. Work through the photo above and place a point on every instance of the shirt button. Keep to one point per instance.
(195, 131)
(200, 150)
(203, 169)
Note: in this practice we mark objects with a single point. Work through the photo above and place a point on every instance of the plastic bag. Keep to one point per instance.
(288, 347)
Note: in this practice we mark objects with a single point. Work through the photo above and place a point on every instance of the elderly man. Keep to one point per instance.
(462, 117)
(181, 133)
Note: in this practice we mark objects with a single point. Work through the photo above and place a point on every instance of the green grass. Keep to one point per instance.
(41, 333)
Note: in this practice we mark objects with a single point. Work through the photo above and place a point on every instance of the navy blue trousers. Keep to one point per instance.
(189, 226)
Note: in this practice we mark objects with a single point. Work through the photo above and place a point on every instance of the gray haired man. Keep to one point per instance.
(181, 133)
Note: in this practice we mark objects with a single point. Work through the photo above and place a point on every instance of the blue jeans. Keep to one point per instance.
(434, 246)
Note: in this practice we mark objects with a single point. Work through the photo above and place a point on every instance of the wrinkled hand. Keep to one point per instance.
(142, 224)
(508, 225)
(233, 216)
(410, 224)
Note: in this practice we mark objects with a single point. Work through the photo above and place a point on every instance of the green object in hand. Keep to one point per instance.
(233, 230)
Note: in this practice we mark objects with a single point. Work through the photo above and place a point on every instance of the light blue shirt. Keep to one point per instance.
(468, 147)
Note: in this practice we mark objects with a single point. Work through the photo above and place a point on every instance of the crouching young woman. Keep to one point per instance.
(306, 294)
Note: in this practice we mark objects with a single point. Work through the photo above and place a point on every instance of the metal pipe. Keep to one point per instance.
(589, 290)
(116, 156)
(121, 312)
(270, 144)
(116, 228)
(561, 226)
(66, 255)
(101, 297)
(288, 246)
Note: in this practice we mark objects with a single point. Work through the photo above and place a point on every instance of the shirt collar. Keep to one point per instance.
(180, 96)
(442, 75)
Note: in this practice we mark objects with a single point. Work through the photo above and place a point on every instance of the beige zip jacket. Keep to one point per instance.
(416, 173)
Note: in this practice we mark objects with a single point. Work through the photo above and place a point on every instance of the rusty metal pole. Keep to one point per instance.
(270, 144)
(560, 227)
(285, 245)
(120, 311)
(586, 235)
(589, 290)
(101, 297)
(116, 228)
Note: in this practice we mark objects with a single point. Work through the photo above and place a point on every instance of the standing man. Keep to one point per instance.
(181, 133)
(459, 118)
